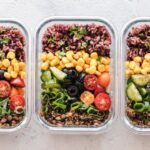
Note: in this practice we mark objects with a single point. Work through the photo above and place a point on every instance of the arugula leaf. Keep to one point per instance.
(51, 39)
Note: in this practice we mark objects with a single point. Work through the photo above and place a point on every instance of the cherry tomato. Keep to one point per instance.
(5, 89)
(99, 89)
(90, 82)
(17, 82)
(104, 79)
(14, 91)
(102, 101)
(16, 101)
(87, 97)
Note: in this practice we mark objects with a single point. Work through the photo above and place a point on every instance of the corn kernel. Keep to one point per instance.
(101, 68)
(11, 55)
(86, 66)
(60, 67)
(104, 61)
(44, 66)
(79, 68)
(69, 65)
(80, 54)
(137, 70)
(132, 65)
(10, 68)
(92, 70)
(145, 64)
(13, 61)
(6, 63)
(93, 62)
(94, 55)
(107, 68)
(76, 56)
(128, 72)
(54, 62)
(65, 60)
(127, 64)
(7, 75)
(147, 69)
(97, 73)
(1, 64)
(50, 56)
(147, 57)
(43, 56)
(143, 71)
(85, 56)
(22, 66)
(74, 62)
(80, 62)
(13, 74)
(88, 60)
(69, 56)
(22, 74)
(16, 67)
(137, 59)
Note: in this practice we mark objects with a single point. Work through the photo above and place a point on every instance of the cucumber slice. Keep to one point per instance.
(58, 73)
(142, 91)
(133, 93)
(140, 80)
(46, 76)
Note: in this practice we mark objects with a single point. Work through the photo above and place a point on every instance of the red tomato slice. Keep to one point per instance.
(15, 101)
(104, 79)
(5, 89)
(18, 82)
(87, 97)
(99, 89)
(102, 102)
(14, 91)
(90, 82)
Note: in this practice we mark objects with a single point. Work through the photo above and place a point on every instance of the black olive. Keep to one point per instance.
(73, 99)
(73, 91)
(66, 82)
(80, 86)
(72, 74)
(81, 77)
(2, 74)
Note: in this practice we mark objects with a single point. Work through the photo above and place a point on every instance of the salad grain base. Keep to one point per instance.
(67, 61)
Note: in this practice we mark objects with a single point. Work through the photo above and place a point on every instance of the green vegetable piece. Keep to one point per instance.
(75, 105)
(133, 93)
(2, 55)
(50, 84)
(129, 81)
(83, 107)
(140, 80)
(91, 110)
(46, 76)
(147, 98)
(143, 91)
(5, 40)
(58, 73)
(60, 105)
(139, 107)
(146, 105)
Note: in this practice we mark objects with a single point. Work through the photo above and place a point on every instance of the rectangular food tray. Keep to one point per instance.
(123, 55)
(112, 90)
(25, 32)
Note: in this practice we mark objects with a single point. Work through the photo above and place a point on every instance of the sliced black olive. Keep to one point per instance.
(81, 77)
(66, 83)
(72, 91)
(72, 74)
(2, 74)
(80, 86)
(73, 99)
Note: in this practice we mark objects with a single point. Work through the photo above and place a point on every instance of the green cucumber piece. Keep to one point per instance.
(140, 80)
(142, 91)
(58, 73)
(46, 76)
(133, 93)
(139, 107)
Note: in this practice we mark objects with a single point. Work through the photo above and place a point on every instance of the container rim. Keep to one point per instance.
(125, 121)
(77, 129)
(27, 117)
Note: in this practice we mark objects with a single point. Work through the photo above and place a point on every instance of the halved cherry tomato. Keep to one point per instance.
(104, 79)
(16, 101)
(87, 97)
(99, 89)
(18, 82)
(102, 101)
(5, 89)
(90, 82)
(14, 91)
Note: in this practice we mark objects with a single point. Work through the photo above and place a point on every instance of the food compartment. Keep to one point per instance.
(75, 74)
(13, 58)
(137, 75)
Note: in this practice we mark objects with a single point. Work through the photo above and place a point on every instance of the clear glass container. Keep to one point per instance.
(123, 55)
(17, 24)
(112, 90)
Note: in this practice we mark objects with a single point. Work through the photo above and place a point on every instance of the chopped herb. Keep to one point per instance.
(51, 39)
(148, 44)
(141, 35)
(61, 53)
(2, 55)
(61, 42)
(5, 40)
(84, 45)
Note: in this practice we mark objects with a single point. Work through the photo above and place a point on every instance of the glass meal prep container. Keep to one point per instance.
(135, 75)
(14, 76)
(68, 89)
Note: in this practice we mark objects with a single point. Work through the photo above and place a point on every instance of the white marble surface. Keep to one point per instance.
(31, 12)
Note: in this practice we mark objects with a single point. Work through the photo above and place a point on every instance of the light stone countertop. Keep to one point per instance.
(31, 12)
